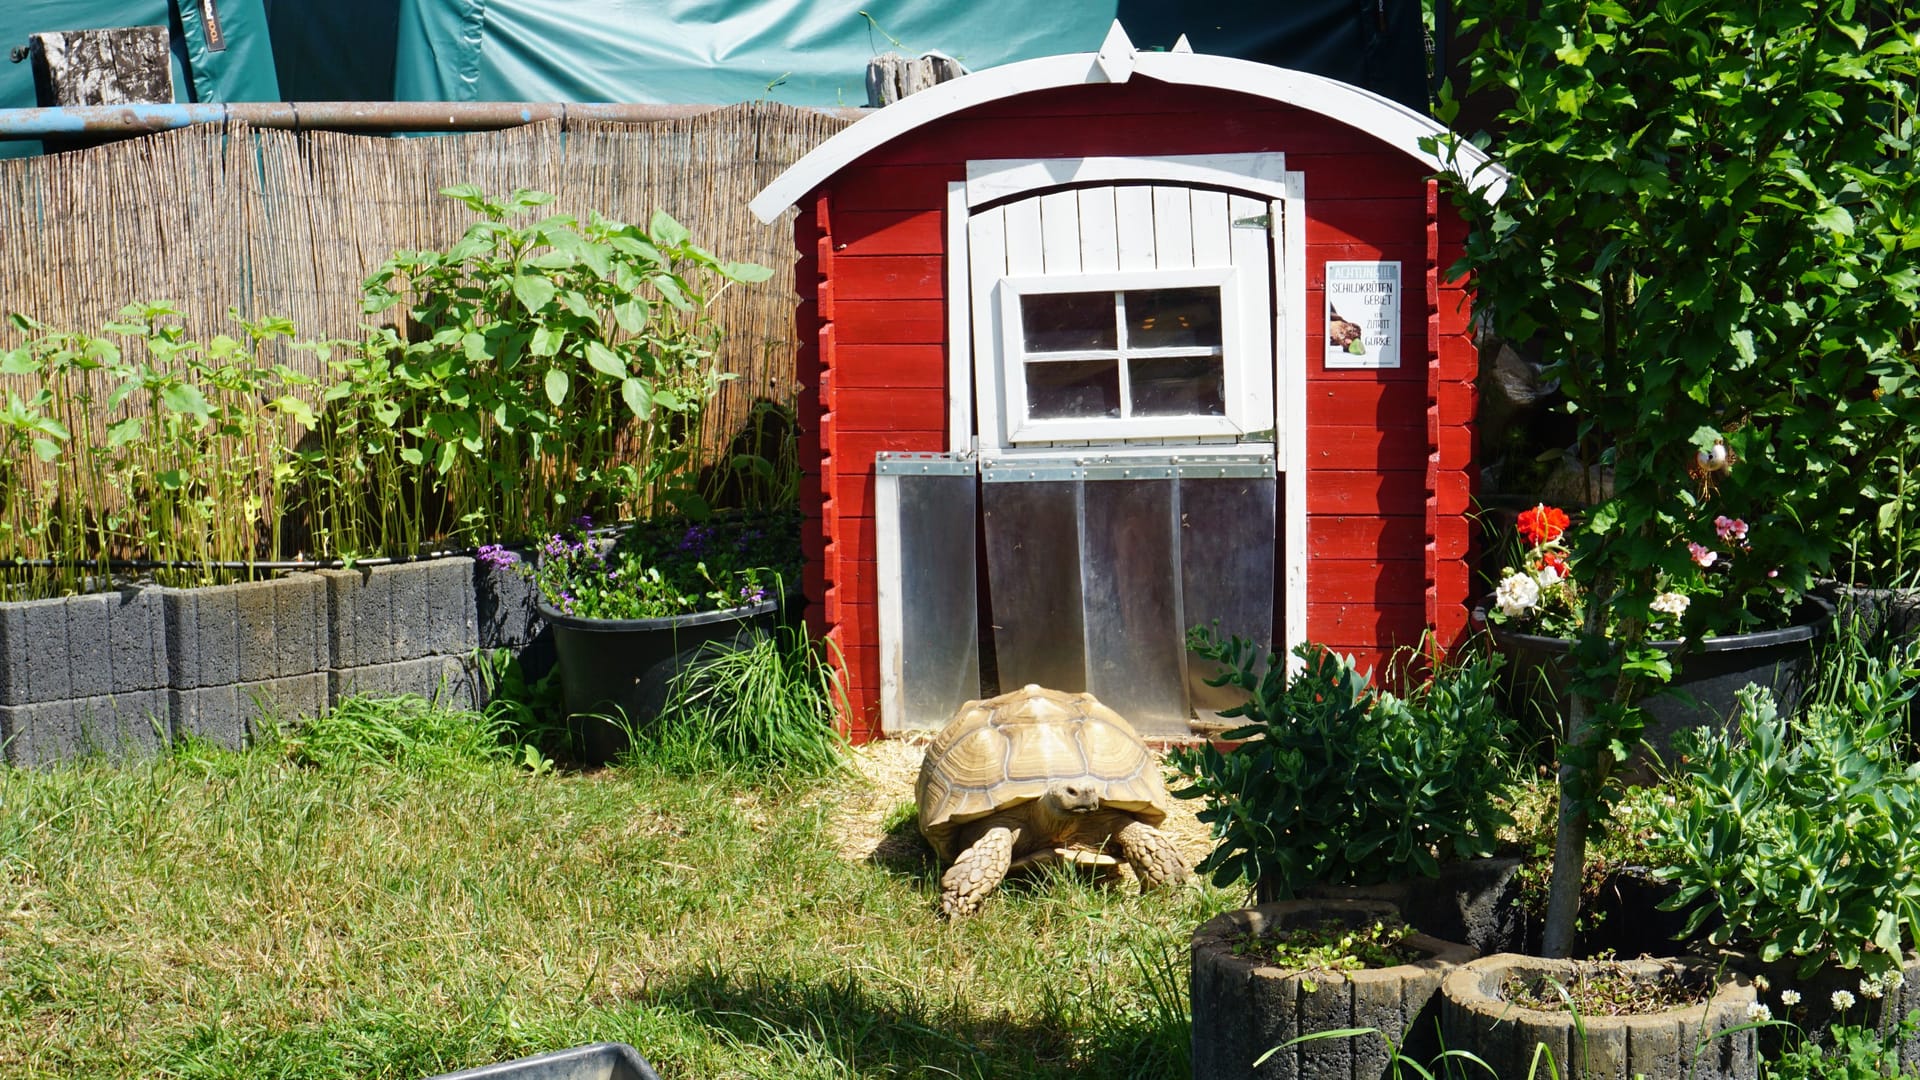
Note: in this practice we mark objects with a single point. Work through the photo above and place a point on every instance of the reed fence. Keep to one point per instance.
(286, 223)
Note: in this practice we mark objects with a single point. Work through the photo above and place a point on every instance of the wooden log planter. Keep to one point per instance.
(1693, 1043)
(123, 673)
(1244, 1007)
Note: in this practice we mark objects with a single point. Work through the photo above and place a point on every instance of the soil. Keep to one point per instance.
(1606, 988)
(877, 821)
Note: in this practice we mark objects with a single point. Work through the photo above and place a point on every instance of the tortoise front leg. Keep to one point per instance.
(978, 871)
(1152, 854)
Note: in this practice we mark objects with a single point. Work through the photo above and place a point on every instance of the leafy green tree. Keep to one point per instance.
(1710, 231)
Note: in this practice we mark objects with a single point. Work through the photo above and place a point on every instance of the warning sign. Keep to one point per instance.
(1363, 315)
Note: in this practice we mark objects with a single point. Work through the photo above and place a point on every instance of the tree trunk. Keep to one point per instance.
(1569, 846)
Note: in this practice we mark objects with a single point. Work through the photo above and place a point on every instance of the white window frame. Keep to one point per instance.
(1239, 414)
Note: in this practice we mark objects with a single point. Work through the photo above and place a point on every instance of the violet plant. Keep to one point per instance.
(675, 566)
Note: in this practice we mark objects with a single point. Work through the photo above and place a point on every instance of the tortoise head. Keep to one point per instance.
(1069, 797)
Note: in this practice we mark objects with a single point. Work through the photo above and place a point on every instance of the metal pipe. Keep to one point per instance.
(68, 121)
(261, 565)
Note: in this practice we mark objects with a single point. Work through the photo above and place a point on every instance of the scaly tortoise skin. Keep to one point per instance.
(1035, 775)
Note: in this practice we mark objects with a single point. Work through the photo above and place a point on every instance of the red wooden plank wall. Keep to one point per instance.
(1389, 452)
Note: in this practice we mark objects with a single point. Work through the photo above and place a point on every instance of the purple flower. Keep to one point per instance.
(496, 556)
(583, 522)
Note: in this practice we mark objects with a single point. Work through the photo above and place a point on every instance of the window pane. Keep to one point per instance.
(1178, 386)
(1073, 389)
(1059, 322)
(1164, 318)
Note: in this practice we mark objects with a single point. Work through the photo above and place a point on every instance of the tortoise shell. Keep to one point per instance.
(1003, 753)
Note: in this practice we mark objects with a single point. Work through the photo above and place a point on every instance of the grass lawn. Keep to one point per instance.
(413, 901)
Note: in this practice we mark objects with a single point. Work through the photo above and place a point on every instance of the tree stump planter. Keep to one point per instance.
(1243, 1006)
(1676, 1044)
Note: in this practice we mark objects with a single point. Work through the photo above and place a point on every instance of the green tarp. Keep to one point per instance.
(802, 52)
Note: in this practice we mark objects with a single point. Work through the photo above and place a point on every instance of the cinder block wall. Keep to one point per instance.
(124, 673)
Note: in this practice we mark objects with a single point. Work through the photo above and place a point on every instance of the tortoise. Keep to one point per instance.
(1037, 775)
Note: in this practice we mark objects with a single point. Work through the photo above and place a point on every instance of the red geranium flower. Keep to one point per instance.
(1543, 523)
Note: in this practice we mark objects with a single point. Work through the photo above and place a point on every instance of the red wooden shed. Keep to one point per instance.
(1103, 346)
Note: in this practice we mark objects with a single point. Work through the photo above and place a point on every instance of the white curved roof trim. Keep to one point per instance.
(1384, 119)
(1256, 174)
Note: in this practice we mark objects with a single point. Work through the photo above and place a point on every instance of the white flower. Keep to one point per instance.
(1870, 987)
(1757, 1011)
(1789, 997)
(1517, 595)
(1549, 575)
(1671, 603)
(1759, 981)
(1842, 1000)
(1893, 979)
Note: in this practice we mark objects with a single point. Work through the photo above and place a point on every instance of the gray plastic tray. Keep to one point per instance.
(601, 1061)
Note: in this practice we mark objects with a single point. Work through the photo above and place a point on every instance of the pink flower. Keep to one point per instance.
(1705, 556)
(1730, 528)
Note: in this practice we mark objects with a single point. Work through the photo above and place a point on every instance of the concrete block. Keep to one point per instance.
(409, 613)
(45, 627)
(207, 712)
(503, 605)
(443, 679)
(229, 715)
(13, 655)
(89, 644)
(452, 627)
(137, 639)
(299, 621)
(203, 637)
(288, 700)
(340, 586)
(359, 604)
(258, 605)
(119, 726)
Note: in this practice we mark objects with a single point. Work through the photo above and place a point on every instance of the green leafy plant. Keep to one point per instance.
(145, 445)
(1883, 541)
(1332, 945)
(673, 566)
(544, 370)
(1709, 230)
(1541, 592)
(1847, 1052)
(1801, 837)
(1331, 781)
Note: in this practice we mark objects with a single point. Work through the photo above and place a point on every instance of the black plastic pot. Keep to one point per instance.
(601, 1061)
(615, 673)
(1708, 676)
